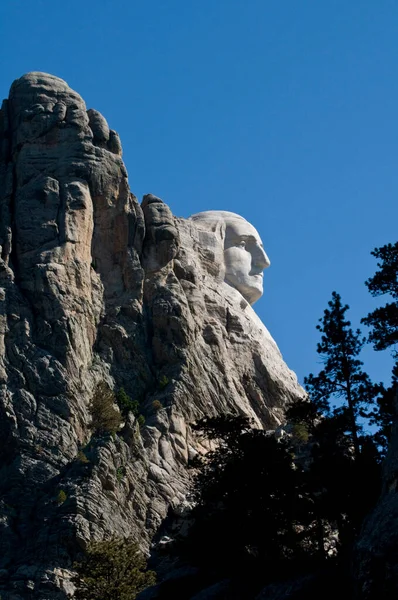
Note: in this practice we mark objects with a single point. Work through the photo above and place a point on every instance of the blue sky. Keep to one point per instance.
(282, 111)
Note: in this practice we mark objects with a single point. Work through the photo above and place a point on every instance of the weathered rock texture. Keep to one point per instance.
(95, 287)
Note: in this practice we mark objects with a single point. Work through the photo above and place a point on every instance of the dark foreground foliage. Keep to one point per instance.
(252, 504)
(287, 509)
(271, 511)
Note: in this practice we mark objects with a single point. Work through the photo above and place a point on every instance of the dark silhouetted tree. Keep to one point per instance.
(385, 412)
(342, 376)
(383, 323)
(268, 510)
(343, 474)
(253, 518)
(384, 320)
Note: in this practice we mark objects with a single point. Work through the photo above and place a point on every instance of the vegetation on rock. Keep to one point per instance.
(61, 497)
(112, 570)
(82, 458)
(120, 473)
(126, 404)
(156, 405)
(163, 382)
(104, 414)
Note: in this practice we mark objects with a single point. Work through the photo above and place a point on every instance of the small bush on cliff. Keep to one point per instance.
(163, 382)
(61, 498)
(82, 458)
(120, 473)
(112, 570)
(126, 404)
(105, 416)
(300, 432)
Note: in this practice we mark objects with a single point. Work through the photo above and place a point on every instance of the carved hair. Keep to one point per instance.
(216, 220)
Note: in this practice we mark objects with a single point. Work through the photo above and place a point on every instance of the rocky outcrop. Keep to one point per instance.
(96, 288)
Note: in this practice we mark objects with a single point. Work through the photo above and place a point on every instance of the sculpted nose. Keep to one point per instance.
(261, 260)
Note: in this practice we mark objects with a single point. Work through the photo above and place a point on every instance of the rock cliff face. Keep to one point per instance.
(95, 287)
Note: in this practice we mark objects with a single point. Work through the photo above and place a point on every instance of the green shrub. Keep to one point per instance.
(120, 473)
(61, 497)
(300, 432)
(163, 382)
(105, 417)
(141, 420)
(82, 458)
(157, 405)
(112, 570)
(126, 404)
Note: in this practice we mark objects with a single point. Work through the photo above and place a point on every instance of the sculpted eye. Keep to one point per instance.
(242, 244)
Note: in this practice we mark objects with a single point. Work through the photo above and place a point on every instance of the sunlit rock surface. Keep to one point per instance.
(96, 287)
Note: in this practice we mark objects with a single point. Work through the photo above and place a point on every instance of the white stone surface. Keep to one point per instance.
(244, 255)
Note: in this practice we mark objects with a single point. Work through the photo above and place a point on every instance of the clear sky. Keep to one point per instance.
(284, 111)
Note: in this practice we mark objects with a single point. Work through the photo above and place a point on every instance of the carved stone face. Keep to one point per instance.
(244, 255)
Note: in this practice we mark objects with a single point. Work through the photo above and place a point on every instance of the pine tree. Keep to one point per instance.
(383, 323)
(253, 518)
(385, 412)
(103, 410)
(342, 376)
(126, 404)
(342, 486)
(384, 320)
(112, 570)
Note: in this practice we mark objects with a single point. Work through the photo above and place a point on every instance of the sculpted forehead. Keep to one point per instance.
(229, 219)
(237, 229)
